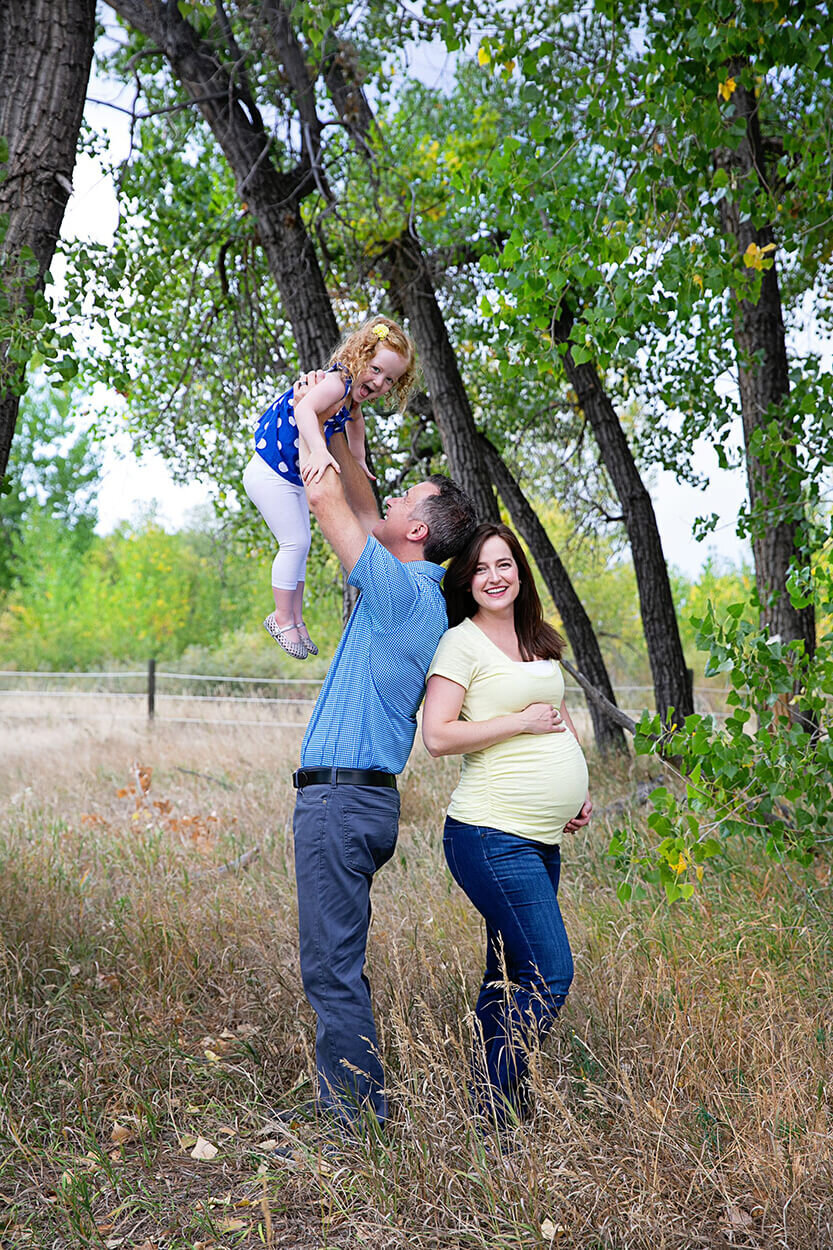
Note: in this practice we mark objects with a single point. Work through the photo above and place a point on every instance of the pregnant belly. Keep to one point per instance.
(548, 782)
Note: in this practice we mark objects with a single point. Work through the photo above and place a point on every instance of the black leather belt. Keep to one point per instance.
(342, 777)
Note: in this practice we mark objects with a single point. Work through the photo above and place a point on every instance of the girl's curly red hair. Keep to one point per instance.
(357, 349)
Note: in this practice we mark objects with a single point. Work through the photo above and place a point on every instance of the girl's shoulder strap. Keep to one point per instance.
(346, 375)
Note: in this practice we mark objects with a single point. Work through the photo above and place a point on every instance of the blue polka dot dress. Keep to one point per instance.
(276, 434)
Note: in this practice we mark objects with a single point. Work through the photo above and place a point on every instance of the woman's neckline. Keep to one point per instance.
(500, 650)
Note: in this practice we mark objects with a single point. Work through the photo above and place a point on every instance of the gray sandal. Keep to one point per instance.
(307, 642)
(296, 649)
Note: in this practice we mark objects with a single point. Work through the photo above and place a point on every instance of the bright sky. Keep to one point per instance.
(129, 485)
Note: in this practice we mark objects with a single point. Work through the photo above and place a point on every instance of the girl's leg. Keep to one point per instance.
(298, 609)
(283, 507)
(513, 883)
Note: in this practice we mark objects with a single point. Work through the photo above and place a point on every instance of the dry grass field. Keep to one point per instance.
(151, 1013)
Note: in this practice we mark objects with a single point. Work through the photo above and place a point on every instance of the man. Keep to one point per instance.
(358, 739)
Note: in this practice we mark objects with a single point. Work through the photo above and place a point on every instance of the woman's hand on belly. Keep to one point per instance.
(541, 718)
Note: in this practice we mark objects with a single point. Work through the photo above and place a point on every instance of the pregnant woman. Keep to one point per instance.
(495, 695)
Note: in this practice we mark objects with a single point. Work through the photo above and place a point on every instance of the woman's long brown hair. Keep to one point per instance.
(536, 639)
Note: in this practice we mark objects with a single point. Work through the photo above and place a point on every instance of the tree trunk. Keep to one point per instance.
(272, 196)
(46, 49)
(672, 680)
(764, 382)
(408, 276)
(413, 291)
(577, 625)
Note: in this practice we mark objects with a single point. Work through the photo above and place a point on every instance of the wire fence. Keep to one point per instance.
(161, 696)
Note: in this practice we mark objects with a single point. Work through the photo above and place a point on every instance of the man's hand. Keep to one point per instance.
(307, 381)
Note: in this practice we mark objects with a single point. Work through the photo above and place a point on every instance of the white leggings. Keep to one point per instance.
(283, 506)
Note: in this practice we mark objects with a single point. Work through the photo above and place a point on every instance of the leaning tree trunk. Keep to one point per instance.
(46, 49)
(672, 680)
(273, 197)
(577, 624)
(764, 381)
(412, 290)
(408, 276)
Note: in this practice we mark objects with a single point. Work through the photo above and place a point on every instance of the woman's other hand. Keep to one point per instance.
(541, 718)
(583, 818)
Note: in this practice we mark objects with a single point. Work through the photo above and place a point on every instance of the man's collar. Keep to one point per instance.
(426, 568)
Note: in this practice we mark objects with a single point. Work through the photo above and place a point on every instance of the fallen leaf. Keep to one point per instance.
(204, 1149)
(738, 1218)
(120, 1133)
(552, 1232)
(232, 1225)
(226, 1131)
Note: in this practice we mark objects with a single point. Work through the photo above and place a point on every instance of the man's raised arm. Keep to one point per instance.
(344, 505)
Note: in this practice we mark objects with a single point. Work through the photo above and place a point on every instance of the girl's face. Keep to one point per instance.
(384, 368)
(495, 584)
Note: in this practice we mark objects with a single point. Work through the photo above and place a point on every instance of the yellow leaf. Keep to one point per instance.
(483, 57)
(204, 1149)
(754, 256)
(726, 89)
(232, 1225)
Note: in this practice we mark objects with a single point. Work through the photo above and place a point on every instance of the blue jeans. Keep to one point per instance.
(513, 883)
(342, 835)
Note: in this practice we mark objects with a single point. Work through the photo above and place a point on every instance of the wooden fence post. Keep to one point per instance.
(151, 688)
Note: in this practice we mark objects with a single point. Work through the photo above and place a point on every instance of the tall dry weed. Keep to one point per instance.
(151, 1002)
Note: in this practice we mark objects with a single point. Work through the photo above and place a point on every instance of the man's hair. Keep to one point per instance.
(450, 517)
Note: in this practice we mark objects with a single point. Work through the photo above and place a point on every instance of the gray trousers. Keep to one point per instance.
(342, 835)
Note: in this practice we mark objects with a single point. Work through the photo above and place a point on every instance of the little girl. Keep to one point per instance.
(377, 358)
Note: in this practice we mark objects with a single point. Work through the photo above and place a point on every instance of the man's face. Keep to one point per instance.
(399, 511)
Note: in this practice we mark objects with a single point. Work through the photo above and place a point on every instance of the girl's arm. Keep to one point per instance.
(445, 734)
(310, 412)
(355, 432)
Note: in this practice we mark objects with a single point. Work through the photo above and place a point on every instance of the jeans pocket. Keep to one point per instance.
(369, 829)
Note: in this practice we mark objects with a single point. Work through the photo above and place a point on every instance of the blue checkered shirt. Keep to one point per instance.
(365, 715)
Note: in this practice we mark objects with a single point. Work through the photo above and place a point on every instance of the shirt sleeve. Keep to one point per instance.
(454, 660)
(389, 590)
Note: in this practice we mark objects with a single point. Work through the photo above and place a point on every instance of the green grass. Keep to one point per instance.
(685, 1099)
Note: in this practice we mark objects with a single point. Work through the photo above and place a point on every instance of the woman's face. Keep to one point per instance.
(495, 583)
(385, 368)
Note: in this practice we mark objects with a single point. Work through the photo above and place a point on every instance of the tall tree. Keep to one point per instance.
(577, 624)
(211, 72)
(46, 49)
(775, 483)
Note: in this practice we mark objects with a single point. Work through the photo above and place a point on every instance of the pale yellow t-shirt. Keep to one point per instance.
(532, 784)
